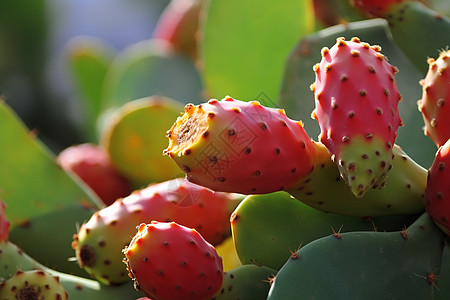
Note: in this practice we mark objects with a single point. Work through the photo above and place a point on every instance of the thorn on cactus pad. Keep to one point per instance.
(337, 234)
(404, 233)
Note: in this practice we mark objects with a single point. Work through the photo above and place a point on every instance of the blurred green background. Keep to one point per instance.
(35, 76)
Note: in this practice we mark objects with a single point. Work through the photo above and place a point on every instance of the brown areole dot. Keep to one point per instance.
(333, 104)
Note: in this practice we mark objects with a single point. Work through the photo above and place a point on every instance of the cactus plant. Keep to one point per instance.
(308, 227)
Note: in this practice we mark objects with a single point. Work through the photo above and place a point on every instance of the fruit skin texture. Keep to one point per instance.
(241, 147)
(33, 284)
(357, 109)
(92, 165)
(170, 261)
(435, 94)
(4, 223)
(437, 192)
(99, 242)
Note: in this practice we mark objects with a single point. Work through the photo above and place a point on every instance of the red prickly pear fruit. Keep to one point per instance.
(178, 25)
(4, 223)
(435, 94)
(93, 166)
(437, 192)
(240, 147)
(374, 8)
(357, 100)
(99, 242)
(169, 261)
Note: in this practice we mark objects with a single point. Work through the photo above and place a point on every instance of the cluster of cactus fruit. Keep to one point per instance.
(256, 207)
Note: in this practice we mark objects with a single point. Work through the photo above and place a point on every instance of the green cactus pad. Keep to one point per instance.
(420, 31)
(246, 282)
(366, 265)
(32, 184)
(147, 68)
(89, 60)
(270, 238)
(254, 74)
(135, 139)
(36, 237)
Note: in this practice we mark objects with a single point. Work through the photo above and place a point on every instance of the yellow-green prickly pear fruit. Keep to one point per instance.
(134, 137)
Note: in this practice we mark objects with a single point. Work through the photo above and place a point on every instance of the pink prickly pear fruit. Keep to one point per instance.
(169, 261)
(99, 242)
(437, 191)
(4, 223)
(240, 147)
(357, 100)
(435, 102)
(374, 8)
(93, 166)
(178, 25)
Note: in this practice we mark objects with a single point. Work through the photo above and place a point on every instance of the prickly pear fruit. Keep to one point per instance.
(436, 93)
(13, 258)
(357, 110)
(385, 265)
(374, 8)
(99, 242)
(4, 223)
(134, 137)
(241, 147)
(437, 192)
(246, 282)
(401, 195)
(93, 166)
(34, 284)
(178, 25)
(289, 225)
(171, 261)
